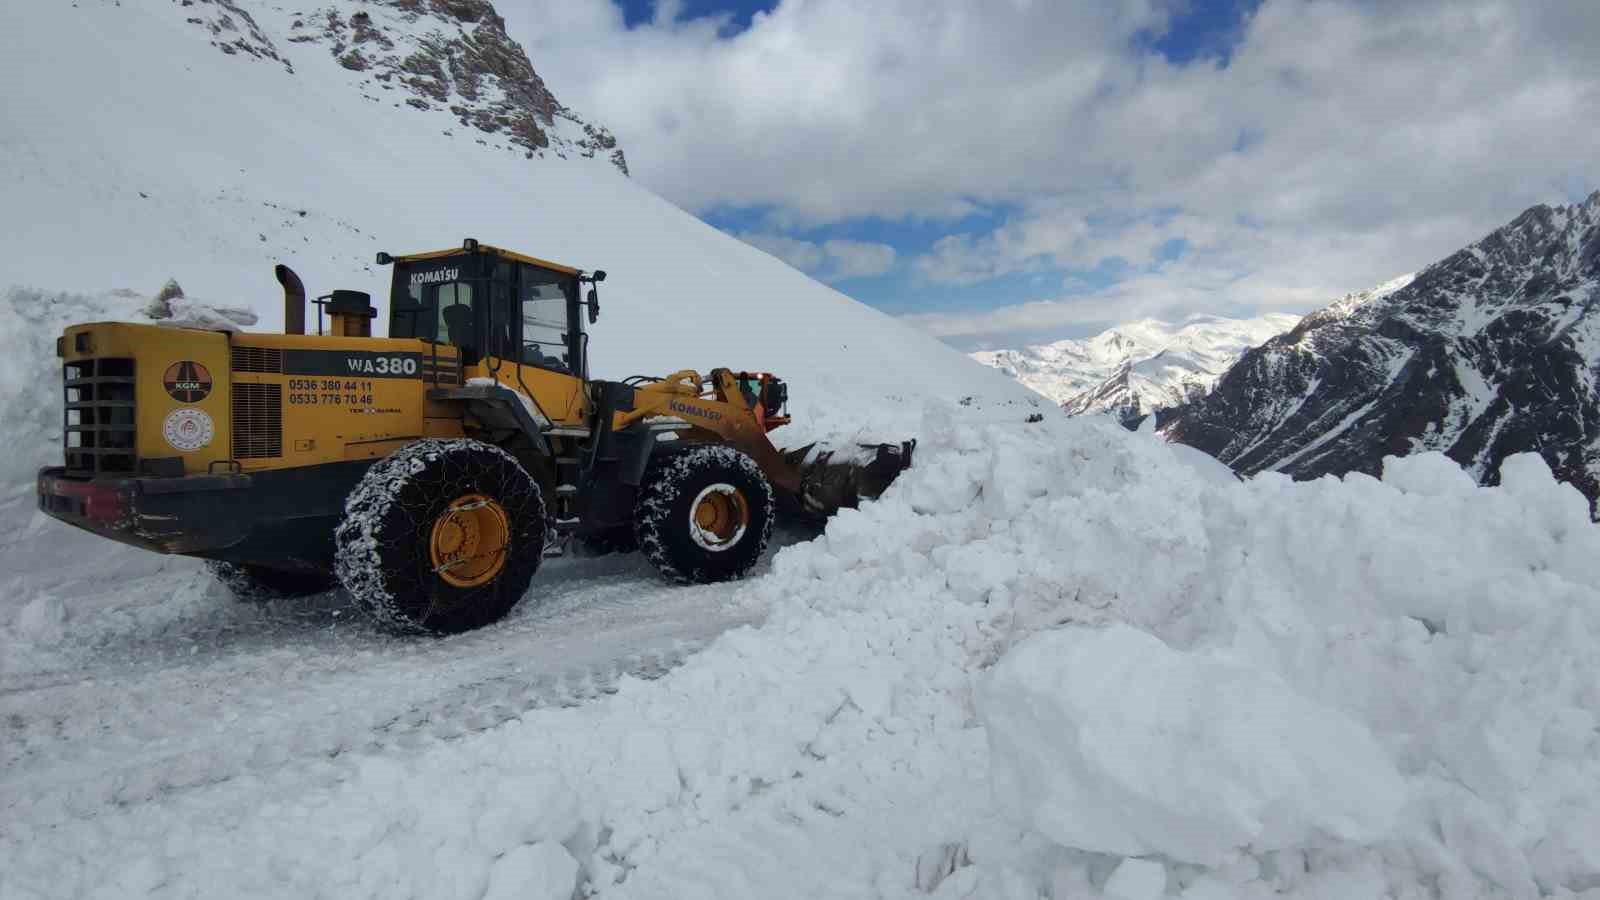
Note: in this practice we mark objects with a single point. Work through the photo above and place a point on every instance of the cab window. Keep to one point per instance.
(433, 302)
(543, 298)
(454, 322)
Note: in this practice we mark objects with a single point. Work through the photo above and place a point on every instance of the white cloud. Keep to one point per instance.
(1240, 271)
(1345, 141)
(858, 259)
(831, 260)
(834, 108)
(803, 255)
(1057, 238)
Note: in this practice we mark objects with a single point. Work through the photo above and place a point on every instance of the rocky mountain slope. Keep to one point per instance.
(1492, 351)
(1133, 369)
(452, 55)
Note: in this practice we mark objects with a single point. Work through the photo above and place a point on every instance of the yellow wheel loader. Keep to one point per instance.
(430, 471)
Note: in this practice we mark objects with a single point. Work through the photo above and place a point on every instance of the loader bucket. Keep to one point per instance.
(835, 478)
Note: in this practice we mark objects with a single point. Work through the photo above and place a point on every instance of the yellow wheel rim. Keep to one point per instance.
(469, 542)
(718, 517)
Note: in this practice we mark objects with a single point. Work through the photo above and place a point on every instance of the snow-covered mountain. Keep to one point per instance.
(449, 55)
(207, 141)
(1139, 367)
(1492, 351)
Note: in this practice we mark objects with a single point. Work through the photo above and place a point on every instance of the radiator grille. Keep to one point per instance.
(257, 421)
(98, 416)
(268, 360)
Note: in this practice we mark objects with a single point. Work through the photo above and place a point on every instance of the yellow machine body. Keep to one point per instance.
(273, 401)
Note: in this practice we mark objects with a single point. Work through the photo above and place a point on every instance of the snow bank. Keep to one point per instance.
(1054, 660)
(30, 373)
(188, 313)
(1108, 740)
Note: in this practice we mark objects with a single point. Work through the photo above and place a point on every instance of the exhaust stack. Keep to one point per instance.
(294, 300)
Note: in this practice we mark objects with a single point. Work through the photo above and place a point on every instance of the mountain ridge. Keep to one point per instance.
(1131, 369)
(452, 55)
(1491, 351)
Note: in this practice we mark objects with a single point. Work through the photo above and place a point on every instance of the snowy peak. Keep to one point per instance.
(1489, 352)
(449, 55)
(1137, 367)
(1349, 304)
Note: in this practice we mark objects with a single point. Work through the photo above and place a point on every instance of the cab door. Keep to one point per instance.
(439, 301)
(535, 329)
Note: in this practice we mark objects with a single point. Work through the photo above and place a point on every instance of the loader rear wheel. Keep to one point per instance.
(704, 514)
(257, 584)
(441, 536)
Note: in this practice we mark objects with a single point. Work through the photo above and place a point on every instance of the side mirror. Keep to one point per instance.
(599, 274)
(594, 303)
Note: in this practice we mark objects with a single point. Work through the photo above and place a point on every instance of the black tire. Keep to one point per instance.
(384, 547)
(257, 584)
(668, 499)
(613, 540)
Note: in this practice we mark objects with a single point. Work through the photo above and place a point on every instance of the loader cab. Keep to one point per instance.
(489, 302)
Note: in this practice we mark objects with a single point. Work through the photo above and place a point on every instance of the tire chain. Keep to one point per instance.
(663, 485)
(435, 469)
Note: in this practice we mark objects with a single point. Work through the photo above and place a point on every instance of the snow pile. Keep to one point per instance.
(1456, 626)
(541, 871)
(1054, 660)
(206, 317)
(30, 373)
(1109, 740)
(170, 307)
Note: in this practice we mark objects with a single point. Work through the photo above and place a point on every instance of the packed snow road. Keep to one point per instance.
(167, 683)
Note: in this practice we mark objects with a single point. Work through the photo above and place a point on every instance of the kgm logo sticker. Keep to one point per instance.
(187, 381)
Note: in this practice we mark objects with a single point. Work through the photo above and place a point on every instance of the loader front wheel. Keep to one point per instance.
(441, 536)
(704, 514)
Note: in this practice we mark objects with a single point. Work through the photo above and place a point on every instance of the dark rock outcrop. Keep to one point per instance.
(1490, 352)
(449, 55)
(233, 30)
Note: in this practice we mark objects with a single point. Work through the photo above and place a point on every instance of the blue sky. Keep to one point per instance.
(1204, 28)
(639, 12)
(1009, 173)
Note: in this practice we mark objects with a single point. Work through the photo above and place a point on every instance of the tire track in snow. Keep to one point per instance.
(221, 692)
